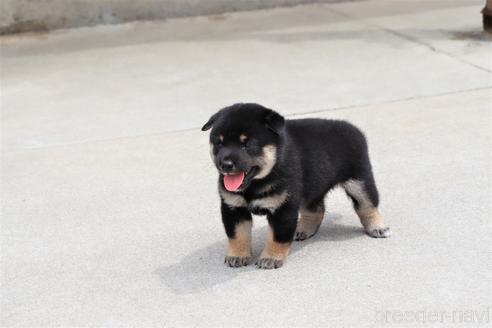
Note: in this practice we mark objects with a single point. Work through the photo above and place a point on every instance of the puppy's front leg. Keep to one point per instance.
(237, 223)
(282, 226)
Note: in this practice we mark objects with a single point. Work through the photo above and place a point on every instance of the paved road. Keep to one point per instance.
(110, 215)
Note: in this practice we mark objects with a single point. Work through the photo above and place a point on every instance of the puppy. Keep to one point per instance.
(283, 169)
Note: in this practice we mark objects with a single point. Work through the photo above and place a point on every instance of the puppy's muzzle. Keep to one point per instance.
(227, 166)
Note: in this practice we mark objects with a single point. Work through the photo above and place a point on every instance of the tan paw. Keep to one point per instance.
(237, 261)
(269, 263)
(379, 233)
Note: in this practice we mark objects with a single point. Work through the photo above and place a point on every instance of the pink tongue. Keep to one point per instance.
(233, 181)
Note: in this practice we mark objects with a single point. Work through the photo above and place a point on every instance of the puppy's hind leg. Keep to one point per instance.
(365, 198)
(309, 221)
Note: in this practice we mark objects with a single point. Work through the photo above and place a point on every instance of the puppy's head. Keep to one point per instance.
(244, 142)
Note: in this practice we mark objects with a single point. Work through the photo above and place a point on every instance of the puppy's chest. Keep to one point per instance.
(257, 203)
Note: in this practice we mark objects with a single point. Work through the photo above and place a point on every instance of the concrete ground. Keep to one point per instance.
(110, 214)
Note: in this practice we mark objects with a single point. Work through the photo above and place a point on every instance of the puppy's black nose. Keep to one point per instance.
(227, 166)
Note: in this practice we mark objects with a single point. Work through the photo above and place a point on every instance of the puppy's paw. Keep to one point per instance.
(269, 263)
(379, 233)
(303, 235)
(300, 235)
(237, 261)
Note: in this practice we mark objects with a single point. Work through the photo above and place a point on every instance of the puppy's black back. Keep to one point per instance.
(329, 152)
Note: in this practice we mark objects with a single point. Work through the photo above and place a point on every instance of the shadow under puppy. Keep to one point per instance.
(283, 169)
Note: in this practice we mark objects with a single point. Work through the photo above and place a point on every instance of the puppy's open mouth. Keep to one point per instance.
(237, 181)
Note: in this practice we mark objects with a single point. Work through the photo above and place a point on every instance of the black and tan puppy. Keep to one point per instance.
(283, 169)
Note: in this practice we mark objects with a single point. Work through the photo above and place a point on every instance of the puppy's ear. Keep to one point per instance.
(210, 122)
(275, 122)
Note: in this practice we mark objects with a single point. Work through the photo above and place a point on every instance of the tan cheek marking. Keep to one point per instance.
(240, 245)
(243, 138)
(273, 249)
(268, 161)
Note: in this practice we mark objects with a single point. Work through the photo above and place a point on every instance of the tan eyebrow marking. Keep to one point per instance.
(221, 137)
(243, 137)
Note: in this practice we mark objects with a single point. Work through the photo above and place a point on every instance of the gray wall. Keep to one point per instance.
(32, 15)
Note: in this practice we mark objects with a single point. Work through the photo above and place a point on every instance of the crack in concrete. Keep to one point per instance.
(434, 49)
(391, 101)
(410, 38)
(291, 115)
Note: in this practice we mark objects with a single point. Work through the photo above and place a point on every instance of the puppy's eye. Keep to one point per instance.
(218, 141)
(244, 140)
(244, 143)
